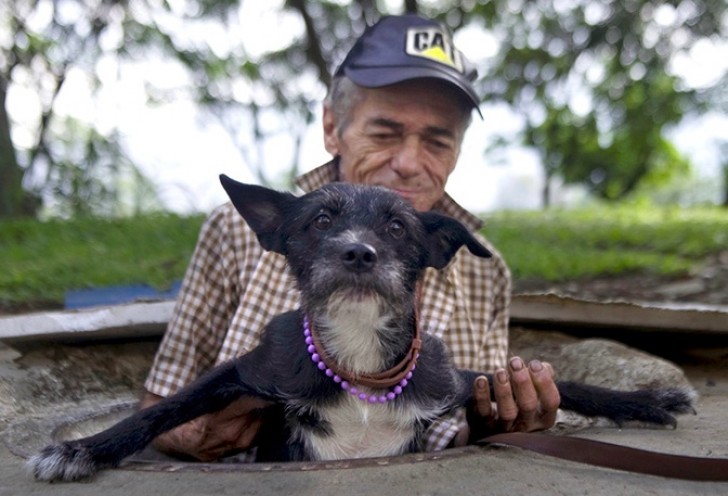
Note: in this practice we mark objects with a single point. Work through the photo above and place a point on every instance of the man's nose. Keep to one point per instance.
(407, 158)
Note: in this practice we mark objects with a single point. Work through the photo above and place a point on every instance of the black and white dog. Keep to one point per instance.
(350, 369)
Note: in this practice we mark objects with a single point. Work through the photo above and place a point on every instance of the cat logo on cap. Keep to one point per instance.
(434, 44)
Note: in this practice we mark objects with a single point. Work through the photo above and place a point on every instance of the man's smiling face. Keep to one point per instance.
(405, 137)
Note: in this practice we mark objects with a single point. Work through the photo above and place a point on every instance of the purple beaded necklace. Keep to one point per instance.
(396, 378)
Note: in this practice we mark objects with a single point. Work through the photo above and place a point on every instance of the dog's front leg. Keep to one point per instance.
(73, 460)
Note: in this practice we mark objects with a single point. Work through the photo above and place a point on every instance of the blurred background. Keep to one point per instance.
(604, 138)
(115, 108)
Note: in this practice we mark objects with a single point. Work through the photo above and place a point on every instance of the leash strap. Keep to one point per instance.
(615, 456)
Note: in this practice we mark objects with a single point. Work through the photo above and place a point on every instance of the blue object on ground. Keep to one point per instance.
(116, 295)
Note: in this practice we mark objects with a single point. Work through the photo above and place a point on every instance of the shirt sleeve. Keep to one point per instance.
(489, 284)
(440, 434)
(495, 342)
(207, 300)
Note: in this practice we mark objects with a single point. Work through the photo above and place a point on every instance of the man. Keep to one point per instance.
(395, 116)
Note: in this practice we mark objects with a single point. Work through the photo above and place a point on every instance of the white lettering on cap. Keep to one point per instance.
(434, 44)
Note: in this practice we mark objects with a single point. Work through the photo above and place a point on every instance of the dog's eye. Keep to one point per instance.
(322, 222)
(396, 229)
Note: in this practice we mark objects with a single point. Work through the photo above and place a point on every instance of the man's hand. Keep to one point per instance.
(525, 399)
(215, 435)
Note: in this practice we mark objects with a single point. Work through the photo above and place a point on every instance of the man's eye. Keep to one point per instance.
(322, 222)
(441, 145)
(396, 229)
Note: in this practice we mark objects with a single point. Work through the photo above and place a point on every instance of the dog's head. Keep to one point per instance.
(351, 240)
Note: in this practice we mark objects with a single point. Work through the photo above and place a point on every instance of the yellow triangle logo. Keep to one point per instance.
(438, 54)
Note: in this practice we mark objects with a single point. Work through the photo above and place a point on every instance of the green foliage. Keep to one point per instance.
(92, 176)
(559, 245)
(70, 163)
(594, 81)
(593, 78)
(40, 261)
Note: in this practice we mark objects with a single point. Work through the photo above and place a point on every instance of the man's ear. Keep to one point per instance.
(331, 129)
(445, 236)
(263, 209)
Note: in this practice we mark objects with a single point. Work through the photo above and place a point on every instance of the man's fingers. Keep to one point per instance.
(482, 401)
(527, 400)
(505, 402)
(241, 406)
(526, 397)
(548, 393)
(214, 435)
(249, 433)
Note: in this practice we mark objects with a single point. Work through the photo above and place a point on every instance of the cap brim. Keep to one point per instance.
(377, 77)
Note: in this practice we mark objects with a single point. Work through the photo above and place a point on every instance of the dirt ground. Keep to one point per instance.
(708, 284)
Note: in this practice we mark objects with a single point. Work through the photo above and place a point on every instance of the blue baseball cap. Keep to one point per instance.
(402, 48)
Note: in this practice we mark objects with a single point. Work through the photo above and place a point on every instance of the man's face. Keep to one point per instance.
(405, 137)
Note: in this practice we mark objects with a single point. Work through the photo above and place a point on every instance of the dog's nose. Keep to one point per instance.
(359, 257)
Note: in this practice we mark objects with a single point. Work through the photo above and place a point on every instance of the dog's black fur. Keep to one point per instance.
(356, 253)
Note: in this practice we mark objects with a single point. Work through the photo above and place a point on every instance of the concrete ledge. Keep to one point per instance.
(109, 322)
(554, 309)
(150, 319)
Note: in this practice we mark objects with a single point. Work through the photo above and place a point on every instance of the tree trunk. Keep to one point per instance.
(12, 194)
(546, 191)
(411, 7)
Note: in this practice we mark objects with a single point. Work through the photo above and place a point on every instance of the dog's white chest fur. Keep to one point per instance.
(357, 429)
(361, 430)
(355, 343)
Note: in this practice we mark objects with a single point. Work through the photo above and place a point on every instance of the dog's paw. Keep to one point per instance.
(66, 461)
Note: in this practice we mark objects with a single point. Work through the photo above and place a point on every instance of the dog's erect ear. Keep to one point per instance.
(262, 208)
(445, 236)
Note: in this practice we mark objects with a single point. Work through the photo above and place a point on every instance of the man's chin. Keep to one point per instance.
(415, 198)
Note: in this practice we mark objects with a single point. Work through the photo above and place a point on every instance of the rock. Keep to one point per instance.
(600, 362)
(44, 378)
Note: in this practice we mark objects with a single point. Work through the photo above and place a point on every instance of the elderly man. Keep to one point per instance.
(395, 116)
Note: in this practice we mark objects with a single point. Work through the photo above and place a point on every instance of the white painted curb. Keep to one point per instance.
(117, 321)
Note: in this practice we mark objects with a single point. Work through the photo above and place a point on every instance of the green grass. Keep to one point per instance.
(559, 245)
(40, 261)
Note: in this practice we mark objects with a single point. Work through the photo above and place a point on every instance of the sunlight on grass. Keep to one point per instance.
(559, 245)
(40, 261)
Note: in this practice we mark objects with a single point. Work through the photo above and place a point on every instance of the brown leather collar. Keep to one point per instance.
(380, 380)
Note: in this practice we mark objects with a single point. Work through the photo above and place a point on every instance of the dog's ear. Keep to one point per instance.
(263, 209)
(445, 236)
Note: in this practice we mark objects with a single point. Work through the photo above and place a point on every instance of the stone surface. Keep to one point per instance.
(55, 380)
(54, 377)
(600, 362)
(503, 471)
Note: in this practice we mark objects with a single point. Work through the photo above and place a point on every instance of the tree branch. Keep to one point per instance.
(313, 44)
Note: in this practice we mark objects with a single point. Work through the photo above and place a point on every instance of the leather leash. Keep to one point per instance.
(615, 456)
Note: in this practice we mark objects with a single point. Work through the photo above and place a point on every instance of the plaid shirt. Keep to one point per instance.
(233, 287)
